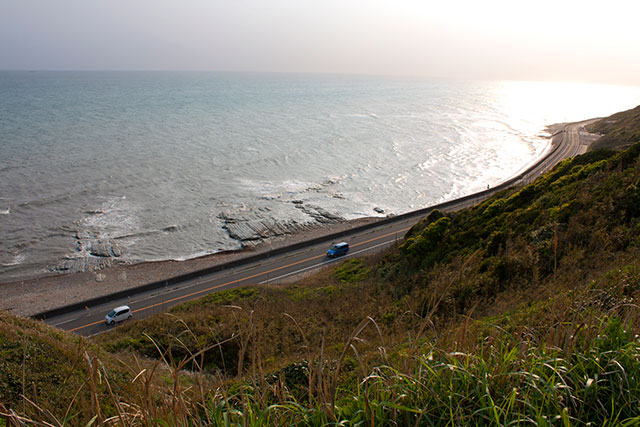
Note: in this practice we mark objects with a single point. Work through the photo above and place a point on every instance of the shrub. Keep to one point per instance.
(432, 217)
(496, 242)
(352, 271)
(428, 239)
(495, 208)
(218, 298)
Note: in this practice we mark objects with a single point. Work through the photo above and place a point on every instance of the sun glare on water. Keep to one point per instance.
(548, 103)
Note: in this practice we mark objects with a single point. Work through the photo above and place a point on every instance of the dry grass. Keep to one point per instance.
(374, 380)
(500, 315)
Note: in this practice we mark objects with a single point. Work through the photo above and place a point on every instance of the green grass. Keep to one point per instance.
(352, 271)
(47, 373)
(522, 310)
(504, 379)
(619, 130)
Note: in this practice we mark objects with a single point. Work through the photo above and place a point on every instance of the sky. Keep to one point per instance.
(583, 41)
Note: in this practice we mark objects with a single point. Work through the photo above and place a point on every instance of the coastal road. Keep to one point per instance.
(568, 141)
(90, 321)
(573, 140)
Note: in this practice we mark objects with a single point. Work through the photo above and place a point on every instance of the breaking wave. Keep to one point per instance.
(151, 177)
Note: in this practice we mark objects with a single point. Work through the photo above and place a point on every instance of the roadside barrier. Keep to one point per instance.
(132, 292)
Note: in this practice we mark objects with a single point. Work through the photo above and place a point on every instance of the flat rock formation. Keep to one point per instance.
(251, 228)
(82, 264)
(248, 226)
(91, 254)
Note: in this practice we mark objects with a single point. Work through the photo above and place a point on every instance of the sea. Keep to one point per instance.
(98, 167)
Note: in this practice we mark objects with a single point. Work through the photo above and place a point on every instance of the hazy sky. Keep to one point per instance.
(593, 41)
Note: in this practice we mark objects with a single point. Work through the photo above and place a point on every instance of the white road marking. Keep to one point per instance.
(325, 262)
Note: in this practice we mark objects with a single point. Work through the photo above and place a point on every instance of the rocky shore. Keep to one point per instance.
(97, 272)
(250, 228)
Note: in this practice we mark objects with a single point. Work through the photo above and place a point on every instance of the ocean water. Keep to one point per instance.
(152, 165)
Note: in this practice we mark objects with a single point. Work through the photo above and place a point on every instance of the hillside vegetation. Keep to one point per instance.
(618, 131)
(520, 310)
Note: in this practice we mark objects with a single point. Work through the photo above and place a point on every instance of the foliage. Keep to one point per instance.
(218, 298)
(619, 130)
(580, 204)
(46, 370)
(352, 271)
(520, 310)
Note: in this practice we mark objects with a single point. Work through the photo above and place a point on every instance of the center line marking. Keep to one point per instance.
(242, 279)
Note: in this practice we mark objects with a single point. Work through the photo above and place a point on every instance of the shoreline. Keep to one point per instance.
(44, 292)
(33, 295)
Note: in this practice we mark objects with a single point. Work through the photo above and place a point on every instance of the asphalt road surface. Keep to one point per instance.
(90, 321)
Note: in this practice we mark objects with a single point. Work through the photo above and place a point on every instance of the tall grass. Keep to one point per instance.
(592, 379)
(519, 311)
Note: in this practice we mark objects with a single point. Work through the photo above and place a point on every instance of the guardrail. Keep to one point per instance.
(128, 293)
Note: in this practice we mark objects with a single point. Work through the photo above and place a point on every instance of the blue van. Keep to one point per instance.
(338, 249)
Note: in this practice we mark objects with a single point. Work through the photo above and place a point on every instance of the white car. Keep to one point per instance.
(118, 314)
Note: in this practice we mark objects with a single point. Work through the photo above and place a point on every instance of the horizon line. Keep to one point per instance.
(316, 73)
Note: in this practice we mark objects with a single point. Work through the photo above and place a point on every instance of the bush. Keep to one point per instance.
(428, 239)
(352, 271)
(496, 243)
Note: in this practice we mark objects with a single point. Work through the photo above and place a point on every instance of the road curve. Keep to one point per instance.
(89, 320)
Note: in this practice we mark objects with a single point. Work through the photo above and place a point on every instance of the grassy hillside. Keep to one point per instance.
(53, 376)
(618, 131)
(522, 309)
